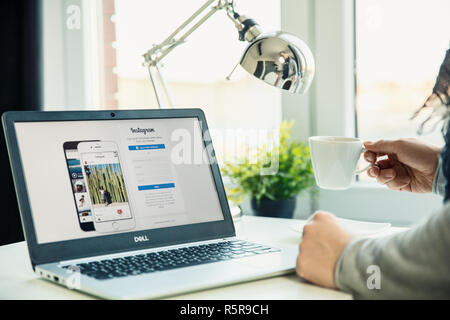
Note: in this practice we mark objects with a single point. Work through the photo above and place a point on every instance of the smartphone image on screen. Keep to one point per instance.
(106, 186)
(78, 183)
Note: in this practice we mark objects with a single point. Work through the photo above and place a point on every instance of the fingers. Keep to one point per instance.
(319, 216)
(394, 177)
(399, 185)
(375, 170)
(387, 175)
(385, 164)
(382, 146)
(401, 181)
(322, 244)
(370, 156)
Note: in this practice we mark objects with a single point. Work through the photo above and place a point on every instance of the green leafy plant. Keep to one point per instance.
(294, 175)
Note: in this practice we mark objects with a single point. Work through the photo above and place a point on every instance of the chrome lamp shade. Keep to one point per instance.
(281, 60)
(278, 58)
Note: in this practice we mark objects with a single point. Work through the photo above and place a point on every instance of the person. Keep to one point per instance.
(82, 200)
(102, 195)
(414, 264)
(108, 199)
(288, 70)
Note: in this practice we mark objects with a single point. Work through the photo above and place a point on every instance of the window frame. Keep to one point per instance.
(65, 49)
(328, 26)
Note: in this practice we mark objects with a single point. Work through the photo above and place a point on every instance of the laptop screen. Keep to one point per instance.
(93, 178)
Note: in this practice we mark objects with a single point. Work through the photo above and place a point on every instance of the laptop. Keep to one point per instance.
(129, 204)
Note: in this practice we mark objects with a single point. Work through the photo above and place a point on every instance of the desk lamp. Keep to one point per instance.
(278, 58)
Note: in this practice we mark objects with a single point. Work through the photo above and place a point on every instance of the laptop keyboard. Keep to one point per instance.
(170, 259)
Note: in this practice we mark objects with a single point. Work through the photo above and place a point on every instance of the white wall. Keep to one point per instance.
(296, 18)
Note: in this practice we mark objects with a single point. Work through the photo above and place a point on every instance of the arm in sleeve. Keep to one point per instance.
(439, 181)
(414, 264)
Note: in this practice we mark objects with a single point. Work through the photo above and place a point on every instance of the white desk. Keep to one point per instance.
(17, 281)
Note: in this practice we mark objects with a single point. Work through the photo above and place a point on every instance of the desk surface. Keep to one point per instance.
(17, 280)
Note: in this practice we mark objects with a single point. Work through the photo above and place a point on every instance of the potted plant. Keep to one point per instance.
(273, 194)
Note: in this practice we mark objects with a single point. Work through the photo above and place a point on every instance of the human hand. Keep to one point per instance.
(410, 165)
(322, 244)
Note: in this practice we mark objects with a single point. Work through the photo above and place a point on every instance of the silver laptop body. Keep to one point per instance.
(129, 204)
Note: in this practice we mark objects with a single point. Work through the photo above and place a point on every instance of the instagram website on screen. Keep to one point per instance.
(94, 178)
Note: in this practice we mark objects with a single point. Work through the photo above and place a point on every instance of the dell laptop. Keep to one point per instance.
(129, 204)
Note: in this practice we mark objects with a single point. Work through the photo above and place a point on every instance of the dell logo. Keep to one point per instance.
(140, 239)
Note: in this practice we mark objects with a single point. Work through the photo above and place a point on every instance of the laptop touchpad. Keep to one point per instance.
(263, 261)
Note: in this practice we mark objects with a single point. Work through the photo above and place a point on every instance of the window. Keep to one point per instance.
(400, 46)
(379, 37)
(113, 36)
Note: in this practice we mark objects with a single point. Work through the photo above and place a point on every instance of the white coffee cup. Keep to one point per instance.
(335, 161)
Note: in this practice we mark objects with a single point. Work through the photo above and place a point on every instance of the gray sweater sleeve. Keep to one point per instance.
(439, 181)
(414, 264)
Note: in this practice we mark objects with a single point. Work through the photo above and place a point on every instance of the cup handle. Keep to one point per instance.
(363, 170)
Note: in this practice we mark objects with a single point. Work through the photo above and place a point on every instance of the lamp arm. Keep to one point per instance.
(187, 22)
(188, 33)
(154, 56)
(159, 51)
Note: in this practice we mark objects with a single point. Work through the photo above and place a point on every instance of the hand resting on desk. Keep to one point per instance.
(321, 246)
